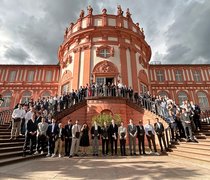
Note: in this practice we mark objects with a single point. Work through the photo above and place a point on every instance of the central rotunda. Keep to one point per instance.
(104, 48)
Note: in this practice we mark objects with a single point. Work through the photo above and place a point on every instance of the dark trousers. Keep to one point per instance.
(161, 138)
(105, 146)
(41, 142)
(141, 145)
(22, 126)
(113, 142)
(196, 119)
(149, 139)
(68, 142)
(122, 147)
(51, 145)
(31, 140)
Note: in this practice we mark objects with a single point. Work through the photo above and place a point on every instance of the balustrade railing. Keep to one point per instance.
(5, 116)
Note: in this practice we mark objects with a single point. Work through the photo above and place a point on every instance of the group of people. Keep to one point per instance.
(34, 119)
(183, 119)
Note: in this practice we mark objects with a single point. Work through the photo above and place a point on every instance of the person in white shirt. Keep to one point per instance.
(150, 134)
(29, 115)
(122, 132)
(17, 116)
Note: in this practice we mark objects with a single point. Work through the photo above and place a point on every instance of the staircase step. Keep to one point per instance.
(19, 159)
(6, 155)
(202, 136)
(200, 143)
(192, 152)
(10, 144)
(11, 149)
(5, 133)
(5, 130)
(194, 149)
(7, 140)
(188, 155)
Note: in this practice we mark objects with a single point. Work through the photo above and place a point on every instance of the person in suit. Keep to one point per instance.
(41, 136)
(113, 131)
(95, 134)
(159, 129)
(186, 122)
(141, 136)
(105, 138)
(122, 132)
(150, 134)
(132, 132)
(76, 131)
(84, 140)
(51, 132)
(68, 137)
(30, 138)
(59, 138)
(38, 117)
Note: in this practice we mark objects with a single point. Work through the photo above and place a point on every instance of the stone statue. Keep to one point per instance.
(137, 25)
(104, 11)
(128, 14)
(119, 11)
(66, 32)
(90, 10)
(142, 30)
(82, 13)
(71, 25)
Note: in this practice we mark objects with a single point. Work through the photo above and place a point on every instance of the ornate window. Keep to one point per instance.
(203, 100)
(12, 76)
(45, 94)
(7, 99)
(26, 97)
(105, 51)
(48, 76)
(163, 94)
(160, 76)
(30, 77)
(144, 88)
(197, 76)
(178, 75)
(65, 88)
(182, 96)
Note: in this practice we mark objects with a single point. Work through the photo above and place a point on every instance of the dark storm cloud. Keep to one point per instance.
(177, 31)
(17, 54)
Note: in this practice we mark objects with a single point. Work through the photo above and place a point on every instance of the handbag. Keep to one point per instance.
(77, 135)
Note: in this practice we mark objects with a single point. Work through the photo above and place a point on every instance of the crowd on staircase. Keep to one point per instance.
(34, 120)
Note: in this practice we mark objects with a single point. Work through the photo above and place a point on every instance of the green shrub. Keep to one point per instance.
(101, 118)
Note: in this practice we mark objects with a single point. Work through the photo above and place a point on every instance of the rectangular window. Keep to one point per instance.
(160, 76)
(30, 77)
(197, 76)
(178, 75)
(12, 76)
(48, 76)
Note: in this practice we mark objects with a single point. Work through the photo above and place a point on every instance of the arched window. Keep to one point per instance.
(143, 88)
(163, 94)
(7, 99)
(26, 97)
(203, 100)
(182, 96)
(46, 94)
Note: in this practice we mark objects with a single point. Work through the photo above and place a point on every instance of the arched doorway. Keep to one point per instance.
(105, 72)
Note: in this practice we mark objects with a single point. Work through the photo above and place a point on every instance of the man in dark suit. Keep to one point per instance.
(159, 129)
(95, 134)
(31, 131)
(51, 132)
(141, 136)
(68, 137)
(113, 130)
(38, 118)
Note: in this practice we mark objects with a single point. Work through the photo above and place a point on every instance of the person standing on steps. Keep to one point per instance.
(132, 132)
(76, 131)
(141, 136)
(68, 137)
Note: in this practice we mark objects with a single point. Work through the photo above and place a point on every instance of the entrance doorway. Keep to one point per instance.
(104, 80)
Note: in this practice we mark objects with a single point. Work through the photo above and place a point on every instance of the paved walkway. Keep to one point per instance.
(146, 167)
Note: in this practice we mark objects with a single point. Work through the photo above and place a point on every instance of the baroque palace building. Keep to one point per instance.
(105, 48)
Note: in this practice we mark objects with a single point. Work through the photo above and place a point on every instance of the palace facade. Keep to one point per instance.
(105, 48)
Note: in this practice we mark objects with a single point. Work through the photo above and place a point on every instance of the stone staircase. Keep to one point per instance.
(11, 151)
(195, 152)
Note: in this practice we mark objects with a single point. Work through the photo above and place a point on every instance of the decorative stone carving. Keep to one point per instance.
(82, 13)
(119, 10)
(71, 26)
(109, 48)
(104, 11)
(90, 10)
(128, 14)
(105, 67)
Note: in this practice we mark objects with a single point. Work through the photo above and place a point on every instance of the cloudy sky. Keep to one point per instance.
(178, 31)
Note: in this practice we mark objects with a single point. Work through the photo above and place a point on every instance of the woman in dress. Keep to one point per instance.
(84, 141)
